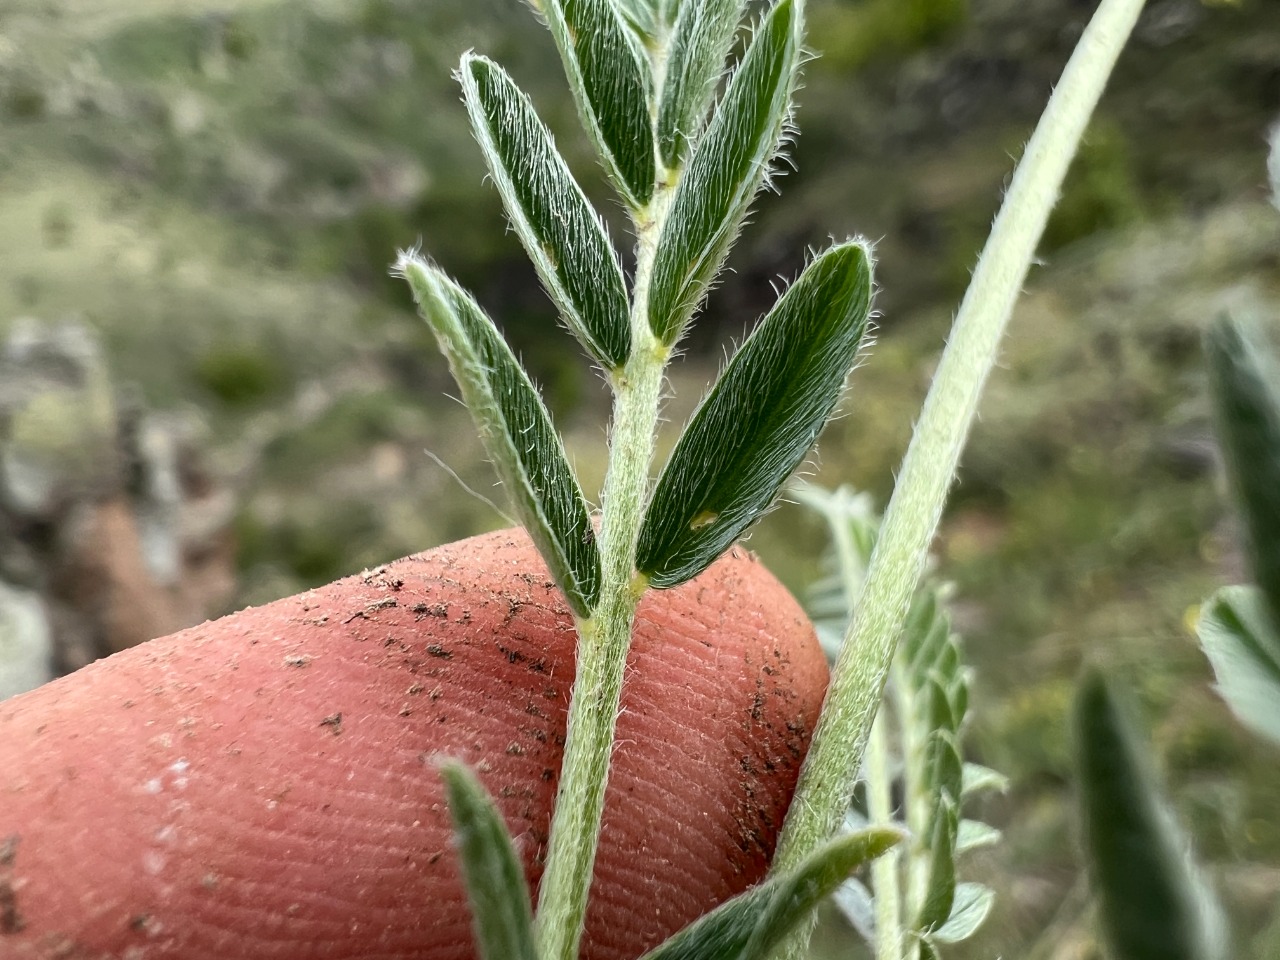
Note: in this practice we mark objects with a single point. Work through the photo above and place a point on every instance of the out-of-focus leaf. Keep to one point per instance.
(974, 834)
(936, 707)
(699, 45)
(1153, 903)
(1237, 637)
(760, 419)
(972, 904)
(731, 162)
(978, 779)
(1245, 382)
(609, 76)
(945, 768)
(516, 430)
(750, 925)
(941, 889)
(500, 910)
(853, 900)
(560, 231)
(1273, 165)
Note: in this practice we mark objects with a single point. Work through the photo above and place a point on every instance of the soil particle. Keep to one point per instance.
(297, 660)
(334, 722)
(421, 610)
(436, 650)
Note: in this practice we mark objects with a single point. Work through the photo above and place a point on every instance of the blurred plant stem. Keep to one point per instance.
(913, 513)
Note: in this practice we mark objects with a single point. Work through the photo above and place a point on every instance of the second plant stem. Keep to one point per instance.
(605, 637)
(915, 508)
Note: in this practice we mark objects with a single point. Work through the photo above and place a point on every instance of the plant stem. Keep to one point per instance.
(915, 795)
(604, 638)
(915, 508)
(884, 869)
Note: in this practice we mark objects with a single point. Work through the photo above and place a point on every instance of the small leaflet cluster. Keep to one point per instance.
(923, 715)
(692, 165)
(686, 143)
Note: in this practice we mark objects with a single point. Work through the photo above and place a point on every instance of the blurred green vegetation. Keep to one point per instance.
(218, 189)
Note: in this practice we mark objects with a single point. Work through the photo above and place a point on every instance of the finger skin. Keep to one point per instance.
(266, 785)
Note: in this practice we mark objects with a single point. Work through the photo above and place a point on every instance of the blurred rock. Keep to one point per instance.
(59, 420)
(26, 642)
(112, 531)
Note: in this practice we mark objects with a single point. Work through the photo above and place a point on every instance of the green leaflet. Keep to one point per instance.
(560, 231)
(699, 45)
(973, 835)
(641, 15)
(516, 431)
(941, 889)
(760, 419)
(1247, 406)
(609, 75)
(1153, 903)
(978, 779)
(973, 902)
(750, 925)
(1239, 641)
(727, 168)
(501, 914)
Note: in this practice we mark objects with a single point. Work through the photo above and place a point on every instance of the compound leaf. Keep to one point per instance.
(609, 76)
(500, 911)
(559, 229)
(516, 430)
(728, 167)
(760, 419)
(699, 45)
(750, 925)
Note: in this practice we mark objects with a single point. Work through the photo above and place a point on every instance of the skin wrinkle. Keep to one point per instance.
(345, 848)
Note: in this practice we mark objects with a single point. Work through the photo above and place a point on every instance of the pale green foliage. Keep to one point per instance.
(1239, 627)
(560, 231)
(917, 735)
(1153, 902)
(516, 430)
(1246, 393)
(501, 914)
(1238, 638)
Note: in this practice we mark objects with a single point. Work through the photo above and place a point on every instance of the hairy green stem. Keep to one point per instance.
(605, 637)
(911, 519)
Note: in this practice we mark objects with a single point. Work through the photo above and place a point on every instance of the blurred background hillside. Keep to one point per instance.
(213, 394)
